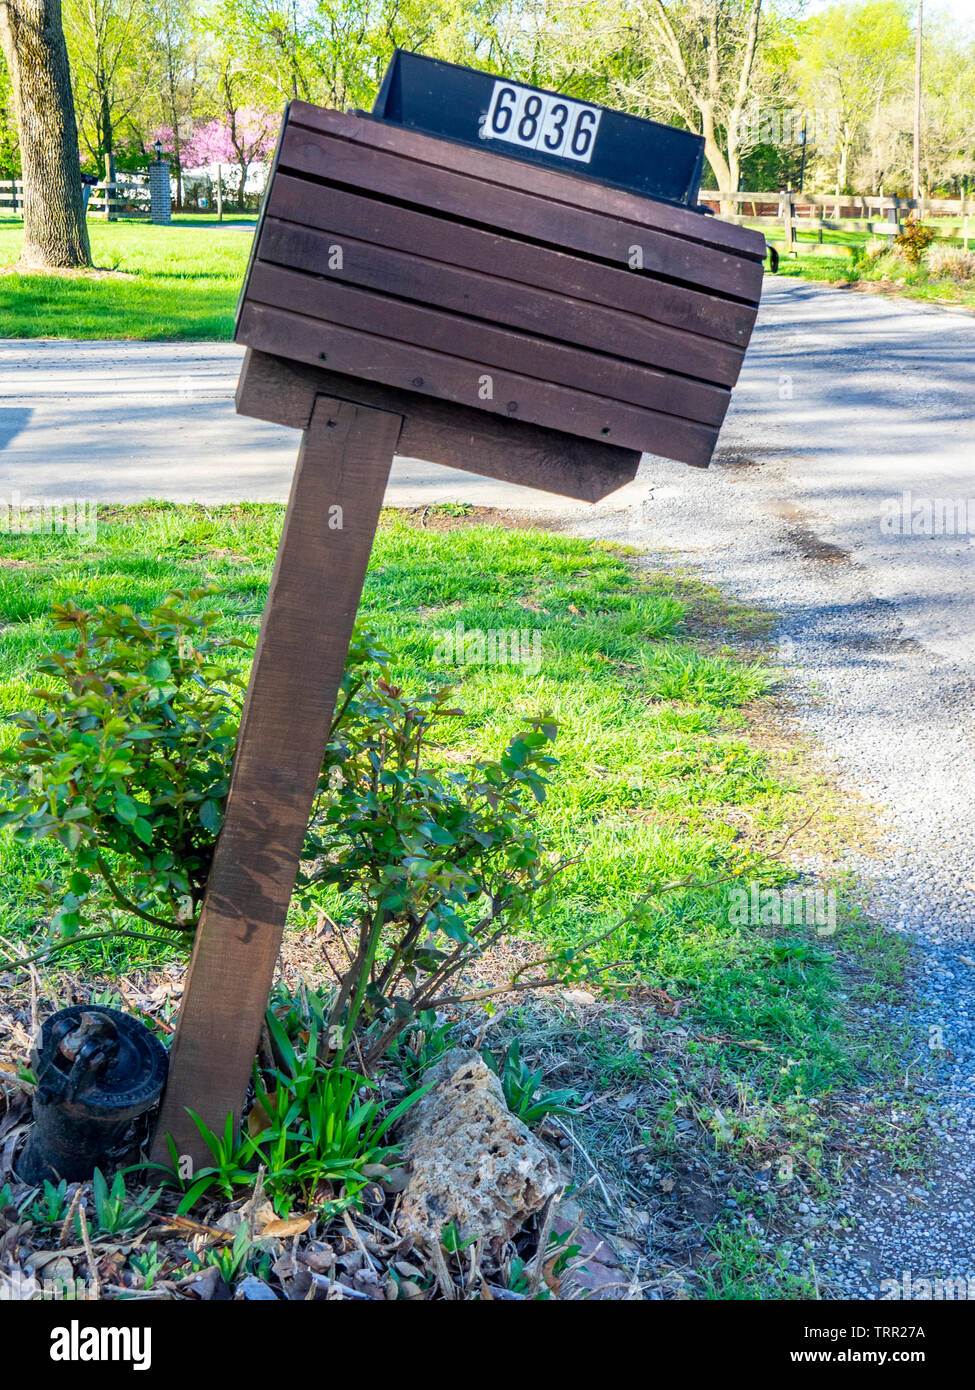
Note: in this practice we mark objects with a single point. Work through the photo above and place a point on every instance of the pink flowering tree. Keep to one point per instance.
(240, 137)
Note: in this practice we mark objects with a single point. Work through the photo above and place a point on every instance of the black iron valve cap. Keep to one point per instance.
(97, 1070)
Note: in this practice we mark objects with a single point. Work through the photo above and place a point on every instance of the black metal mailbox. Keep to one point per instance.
(542, 127)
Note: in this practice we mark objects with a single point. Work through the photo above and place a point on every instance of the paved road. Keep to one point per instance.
(120, 422)
(846, 402)
(854, 417)
(865, 407)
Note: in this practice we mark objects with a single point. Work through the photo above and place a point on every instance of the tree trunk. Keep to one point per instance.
(719, 165)
(177, 157)
(55, 232)
(108, 149)
(244, 166)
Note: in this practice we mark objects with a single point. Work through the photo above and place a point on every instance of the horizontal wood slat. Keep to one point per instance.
(335, 302)
(515, 211)
(551, 183)
(284, 391)
(494, 300)
(451, 378)
(341, 213)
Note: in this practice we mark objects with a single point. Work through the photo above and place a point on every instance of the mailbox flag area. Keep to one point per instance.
(451, 272)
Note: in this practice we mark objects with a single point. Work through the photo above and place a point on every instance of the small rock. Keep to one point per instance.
(471, 1162)
(254, 1290)
(208, 1285)
(595, 1281)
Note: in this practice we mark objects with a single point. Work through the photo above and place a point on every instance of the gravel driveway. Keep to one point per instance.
(878, 629)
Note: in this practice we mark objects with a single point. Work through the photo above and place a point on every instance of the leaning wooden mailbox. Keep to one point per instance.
(479, 274)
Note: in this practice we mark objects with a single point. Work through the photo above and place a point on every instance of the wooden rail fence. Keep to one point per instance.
(792, 213)
(109, 201)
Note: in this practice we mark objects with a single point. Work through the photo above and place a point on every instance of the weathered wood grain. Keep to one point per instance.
(468, 383)
(284, 391)
(495, 346)
(344, 461)
(513, 210)
(493, 299)
(340, 212)
(567, 187)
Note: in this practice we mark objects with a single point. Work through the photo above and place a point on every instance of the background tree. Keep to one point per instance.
(241, 138)
(275, 41)
(250, 132)
(742, 73)
(334, 52)
(9, 141)
(948, 108)
(106, 44)
(706, 72)
(55, 233)
(180, 62)
(853, 60)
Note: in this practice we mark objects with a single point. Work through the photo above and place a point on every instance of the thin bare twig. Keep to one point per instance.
(96, 1288)
(554, 1119)
(64, 1239)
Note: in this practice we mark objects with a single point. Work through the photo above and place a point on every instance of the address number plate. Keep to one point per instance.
(538, 121)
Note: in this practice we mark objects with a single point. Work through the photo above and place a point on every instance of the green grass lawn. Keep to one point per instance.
(182, 281)
(664, 768)
(179, 281)
(842, 256)
(733, 1046)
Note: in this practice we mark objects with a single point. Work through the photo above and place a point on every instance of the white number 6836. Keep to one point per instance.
(539, 121)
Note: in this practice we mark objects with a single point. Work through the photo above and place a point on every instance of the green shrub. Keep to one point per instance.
(914, 240)
(127, 761)
(434, 864)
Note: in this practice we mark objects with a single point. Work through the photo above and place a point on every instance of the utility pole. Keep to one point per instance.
(918, 45)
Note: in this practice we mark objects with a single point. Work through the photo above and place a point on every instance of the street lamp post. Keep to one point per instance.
(918, 46)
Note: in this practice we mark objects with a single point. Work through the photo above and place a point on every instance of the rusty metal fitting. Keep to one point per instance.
(97, 1070)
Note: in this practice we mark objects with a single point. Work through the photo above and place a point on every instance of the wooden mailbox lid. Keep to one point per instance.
(414, 264)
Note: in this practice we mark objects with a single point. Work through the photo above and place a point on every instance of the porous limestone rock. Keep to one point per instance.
(470, 1161)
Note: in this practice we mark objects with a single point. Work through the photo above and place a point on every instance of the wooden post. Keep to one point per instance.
(786, 211)
(343, 463)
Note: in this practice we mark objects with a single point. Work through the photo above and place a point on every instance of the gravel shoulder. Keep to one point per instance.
(875, 638)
